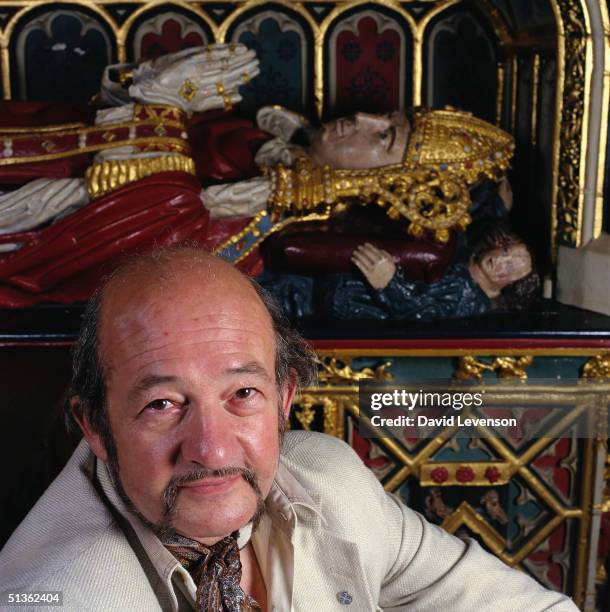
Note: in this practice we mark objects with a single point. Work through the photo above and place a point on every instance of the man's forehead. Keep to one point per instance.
(183, 304)
(147, 303)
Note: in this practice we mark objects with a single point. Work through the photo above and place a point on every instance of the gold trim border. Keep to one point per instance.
(603, 136)
(574, 66)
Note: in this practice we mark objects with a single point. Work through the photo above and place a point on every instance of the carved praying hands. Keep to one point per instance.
(196, 79)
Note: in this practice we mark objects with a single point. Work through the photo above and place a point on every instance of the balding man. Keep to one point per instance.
(183, 494)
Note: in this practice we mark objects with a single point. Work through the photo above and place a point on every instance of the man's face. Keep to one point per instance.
(505, 265)
(361, 141)
(191, 389)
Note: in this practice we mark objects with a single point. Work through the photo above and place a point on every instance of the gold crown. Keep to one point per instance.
(448, 152)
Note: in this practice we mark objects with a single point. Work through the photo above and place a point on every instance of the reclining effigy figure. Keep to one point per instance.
(144, 161)
(498, 274)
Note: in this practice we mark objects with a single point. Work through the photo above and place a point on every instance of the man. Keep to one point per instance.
(183, 377)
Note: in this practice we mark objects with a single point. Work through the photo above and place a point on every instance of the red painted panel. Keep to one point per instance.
(368, 68)
(170, 41)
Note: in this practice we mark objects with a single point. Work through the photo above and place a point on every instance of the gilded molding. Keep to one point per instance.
(466, 515)
(418, 41)
(573, 138)
(603, 136)
(500, 93)
(335, 370)
(534, 103)
(597, 367)
(514, 81)
(469, 367)
(106, 177)
(332, 403)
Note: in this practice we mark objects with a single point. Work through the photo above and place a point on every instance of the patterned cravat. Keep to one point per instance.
(217, 572)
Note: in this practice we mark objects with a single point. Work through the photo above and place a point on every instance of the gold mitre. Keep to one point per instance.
(448, 152)
(456, 141)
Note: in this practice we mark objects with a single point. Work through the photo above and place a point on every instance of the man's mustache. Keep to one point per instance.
(171, 491)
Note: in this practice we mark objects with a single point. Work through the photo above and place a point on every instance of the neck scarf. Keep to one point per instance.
(216, 571)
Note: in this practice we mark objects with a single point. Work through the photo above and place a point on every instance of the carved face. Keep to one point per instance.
(505, 265)
(361, 141)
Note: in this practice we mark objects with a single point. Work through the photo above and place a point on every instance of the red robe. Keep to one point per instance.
(65, 261)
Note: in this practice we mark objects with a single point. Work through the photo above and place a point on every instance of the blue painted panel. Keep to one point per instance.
(281, 60)
(66, 66)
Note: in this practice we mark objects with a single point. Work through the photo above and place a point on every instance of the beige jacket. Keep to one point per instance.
(345, 535)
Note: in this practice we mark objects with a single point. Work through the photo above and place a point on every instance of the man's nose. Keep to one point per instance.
(208, 437)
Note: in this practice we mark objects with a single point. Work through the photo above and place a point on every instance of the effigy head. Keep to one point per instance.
(446, 153)
(361, 141)
(505, 269)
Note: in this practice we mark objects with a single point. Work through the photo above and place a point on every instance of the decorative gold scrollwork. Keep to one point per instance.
(449, 151)
(333, 370)
(436, 204)
(469, 367)
(305, 413)
(597, 367)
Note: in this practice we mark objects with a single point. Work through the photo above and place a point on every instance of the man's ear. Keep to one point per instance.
(91, 435)
(288, 390)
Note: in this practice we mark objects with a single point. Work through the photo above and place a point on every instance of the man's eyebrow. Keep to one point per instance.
(252, 367)
(148, 382)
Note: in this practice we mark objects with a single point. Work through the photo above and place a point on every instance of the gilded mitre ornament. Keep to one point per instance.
(448, 152)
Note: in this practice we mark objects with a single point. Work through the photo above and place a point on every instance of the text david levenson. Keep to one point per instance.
(444, 421)
(401, 398)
